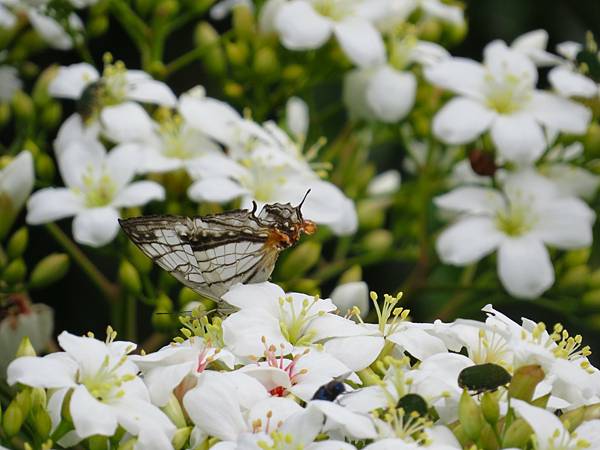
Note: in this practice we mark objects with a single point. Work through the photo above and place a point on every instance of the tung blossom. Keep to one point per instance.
(16, 183)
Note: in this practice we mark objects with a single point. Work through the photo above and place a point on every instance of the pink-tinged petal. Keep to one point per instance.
(560, 113)
(126, 122)
(215, 189)
(462, 120)
(391, 94)
(519, 138)
(152, 91)
(243, 332)
(360, 41)
(300, 27)
(460, 75)
(565, 223)
(96, 227)
(468, 240)
(91, 416)
(50, 204)
(544, 423)
(524, 267)
(474, 200)
(139, 193)
(70, 81)
(44, 372)
(344, 349)
(569, 83)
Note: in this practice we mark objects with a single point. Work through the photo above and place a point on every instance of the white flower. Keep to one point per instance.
(533, 45)
(309, 24)
(105, 390)
(297, 118)
(566, 79)
(388, 16)
(9, 83)
(348, 295)
(16, 183)
(98, 184)
(384, 184)
(518, 222)
(500, 96)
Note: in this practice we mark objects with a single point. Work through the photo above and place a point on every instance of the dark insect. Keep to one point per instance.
(330, 391)
(483, 378)
(212, 253)
(413, 403)
(89, 102)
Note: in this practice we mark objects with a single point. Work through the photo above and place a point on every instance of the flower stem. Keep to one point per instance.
(108, 289)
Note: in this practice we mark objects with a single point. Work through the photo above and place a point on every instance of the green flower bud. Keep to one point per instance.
(23, 399)
(354, 273)
(173, 410)
(300, 260)
(591, 299)
(488, 440)
(128, 445)
(490, 407)
(38, 396)
(243, 22)
(166, 9)
(517, 435)
(139, 260)
(205, 36)
(45, 168)
(186, 295)
(233, 89)
(49, 270)
(12, 419)
(23, 106)
(293, 72)
(25, 348)
(524, 381)
(266, 62)
(181, 436)
(41, 422)
(129, 277)
(378, 240)
(577, 257)
(98, 442)
(575, 279)
(17, 243)
(51, 115)
(15, 272)
(97, 25)
(572, 419)
(430, 30)
(215, 61)
(371, 213)
(40, 94)
(237, 53)
(461, 436)
(469, 415)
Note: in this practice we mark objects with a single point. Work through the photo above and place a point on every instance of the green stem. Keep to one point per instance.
(185, 59)
(135, 27)
(108, 289)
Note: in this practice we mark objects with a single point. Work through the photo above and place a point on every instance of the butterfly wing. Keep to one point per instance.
(207, 254)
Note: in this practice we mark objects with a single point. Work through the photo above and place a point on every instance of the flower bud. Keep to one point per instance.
(181, 436)
(487, 439)
(572, 419)
(591, 141)
(378, 240)
(430, 30)
(524, 381)
(591, 299)
(98, 442)
(40, 95)
(25, 348)
(490, 408)
(348, 295)
(300, 260)
(4, 114)
(17, 243)
(237, 53)
(38, 396)
(97, 25)
(215, 61)
(49, 270)
(577, 257)
(51, 115)
(166, 9)
(205, 36)
(15, 272)
(233, 89)
(371, 213)
(23, 399)
(266, 62)
(293, 72)
(139, 260)
(23, 106)
(575, 279)
(243, 22)
(45, 168)
(354, 273)
(517, 435)
(469, 415)
(129, 277)
(41, 422)
(173, 410)
(12, 419)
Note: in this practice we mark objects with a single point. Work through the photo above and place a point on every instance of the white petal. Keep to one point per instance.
(560, 113)
(417, 342)
(573, 180)
(50, 204)
(344, 349)
(50, 30)
(346, 296)
(590, 431)
(461, 120)
(42, 372)
(152, 91)
(449, 13)
(121, 163)
(385, 183)
(89, 415)
(297, 117)
(300, 27)
(503, 62)
(139, 193)
(533, 45)
(162, 380)
(519, 138)
(89, 353)
(569, 83)
(73, 129)
(468, 240)
(7, 19)
(79, 158)
(16, 179)
(96, 227)
(565, 223)
(354, 92)
(569, 49)
(391, 93)
(243, 332)
(280, 408)
(126, 122)
(360, 41)
(543, 423)
(216, 189)
(460, 75)
(524, 267)
(263, 296)
(356, 425)
(474, 200)
(70, 81)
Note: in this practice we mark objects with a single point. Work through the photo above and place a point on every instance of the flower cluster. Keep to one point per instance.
(283, 372)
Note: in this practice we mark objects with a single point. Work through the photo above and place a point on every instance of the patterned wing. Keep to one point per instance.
(208, 254)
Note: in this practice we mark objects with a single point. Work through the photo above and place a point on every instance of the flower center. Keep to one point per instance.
(562, 344)
(115, 83)
(507, 94)
(105, 384)
(515, 220)
(287, 365)
(334, 9)
(98, 190)
(262, 180)
(389, 311)
(294, 323)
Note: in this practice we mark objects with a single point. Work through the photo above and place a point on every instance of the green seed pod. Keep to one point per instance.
(300, 260)
(15, 272)
(41, 422)
(469, 415)
(49, 270)
(524, 382)
(490, 408)
(483, 377)
(17, 243)
(129, 277)
(12, 420)
(517, 435)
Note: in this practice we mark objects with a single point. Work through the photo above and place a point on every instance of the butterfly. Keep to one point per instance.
(209, 254)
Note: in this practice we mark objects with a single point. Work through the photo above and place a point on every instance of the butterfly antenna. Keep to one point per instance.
(303, 198)
(254, 207)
